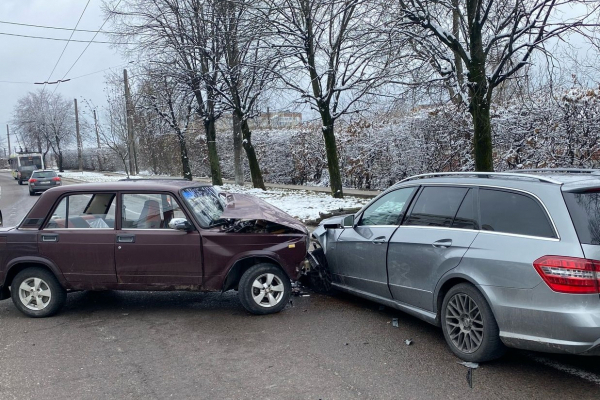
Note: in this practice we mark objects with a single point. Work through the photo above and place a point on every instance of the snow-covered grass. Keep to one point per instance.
(302, 204)
(87, 176)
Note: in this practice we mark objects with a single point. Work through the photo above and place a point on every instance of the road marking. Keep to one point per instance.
(588, 376)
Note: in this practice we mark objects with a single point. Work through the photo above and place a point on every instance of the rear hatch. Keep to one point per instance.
(584, 207)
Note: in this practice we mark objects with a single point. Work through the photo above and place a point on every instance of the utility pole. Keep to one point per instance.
(79, 149)
(129, 113)
(98, 140)
(8, 137)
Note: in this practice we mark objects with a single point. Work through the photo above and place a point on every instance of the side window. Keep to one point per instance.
(149, 211)
(466, 217)
(510, 212)
(436, 206)
(92, 211)
(387, 210)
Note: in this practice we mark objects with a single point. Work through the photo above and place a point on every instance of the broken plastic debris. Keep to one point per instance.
(395, 322)
(469, 364)
(408, 342)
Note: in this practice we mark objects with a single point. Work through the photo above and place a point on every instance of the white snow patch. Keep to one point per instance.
(302, 204)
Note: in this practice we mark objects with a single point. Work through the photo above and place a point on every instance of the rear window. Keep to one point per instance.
(585, 213)
(509, 212)
(44, 174)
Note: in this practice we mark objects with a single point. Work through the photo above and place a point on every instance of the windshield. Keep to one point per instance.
(35, 161)
(206, 204)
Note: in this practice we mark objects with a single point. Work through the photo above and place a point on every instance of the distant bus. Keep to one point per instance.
(25, 162)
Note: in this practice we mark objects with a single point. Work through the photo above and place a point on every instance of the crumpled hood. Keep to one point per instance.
(242, 206)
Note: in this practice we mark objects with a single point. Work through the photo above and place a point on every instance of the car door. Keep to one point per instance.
(436, 233)
(148, 251)
(79, 238)
(361, 250)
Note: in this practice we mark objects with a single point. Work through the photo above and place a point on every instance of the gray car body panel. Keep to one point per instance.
(529, 314)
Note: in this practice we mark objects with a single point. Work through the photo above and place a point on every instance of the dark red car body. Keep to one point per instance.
(201, 259)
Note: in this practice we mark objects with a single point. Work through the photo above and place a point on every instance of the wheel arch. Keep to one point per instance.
(449, 282)
(20, 264)
(243, 264)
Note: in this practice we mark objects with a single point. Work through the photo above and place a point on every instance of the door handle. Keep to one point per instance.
(125, 238)
(443, 243)
(380, 240)
(50, 238)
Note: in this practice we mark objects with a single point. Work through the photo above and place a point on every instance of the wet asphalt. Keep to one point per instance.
(160, 345)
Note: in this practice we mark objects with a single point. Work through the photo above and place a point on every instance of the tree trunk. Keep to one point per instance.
(479, 95)
(257, 179)
(333, 163)
(482, 138)
(213, 155)
(185, 162)
(238, 167)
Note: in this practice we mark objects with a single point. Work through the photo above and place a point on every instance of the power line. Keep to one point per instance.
(71, 79)
(68, 41)
(52, 27)
(59, 39)
(88, 45)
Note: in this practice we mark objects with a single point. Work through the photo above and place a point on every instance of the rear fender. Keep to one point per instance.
(17, 262)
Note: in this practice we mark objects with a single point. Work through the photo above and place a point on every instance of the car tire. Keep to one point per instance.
(33, 285)
(469, 326)
(20, 182)
(319, 275)
(274, 294)
(31, 193)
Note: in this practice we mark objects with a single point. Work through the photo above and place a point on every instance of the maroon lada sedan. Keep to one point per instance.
(150, 235)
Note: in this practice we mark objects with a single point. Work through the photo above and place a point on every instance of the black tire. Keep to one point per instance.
(476, 325)
(247, 292)
(31, 193)
(20, 182)
(319, 275)
(56, 300)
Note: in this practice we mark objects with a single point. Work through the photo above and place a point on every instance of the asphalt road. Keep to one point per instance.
(128, 345)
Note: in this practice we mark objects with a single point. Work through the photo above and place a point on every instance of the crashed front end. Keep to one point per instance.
(240, 229)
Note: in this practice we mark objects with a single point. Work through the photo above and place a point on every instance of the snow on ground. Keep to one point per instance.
(87, 176)
(302, 204)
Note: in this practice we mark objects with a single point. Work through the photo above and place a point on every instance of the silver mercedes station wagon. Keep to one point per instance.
(496, 259)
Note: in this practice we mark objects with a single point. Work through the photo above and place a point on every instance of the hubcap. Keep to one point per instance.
(267, 290)
(464, 323)
(35, 294)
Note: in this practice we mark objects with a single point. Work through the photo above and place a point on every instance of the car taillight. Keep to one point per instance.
(32, 180)
(569, 274)
(56, 179)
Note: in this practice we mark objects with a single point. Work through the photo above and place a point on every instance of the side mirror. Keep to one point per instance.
(348, 221)
(181, 224)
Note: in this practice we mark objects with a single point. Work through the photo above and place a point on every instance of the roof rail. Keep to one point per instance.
(558, 170)
(482, 175)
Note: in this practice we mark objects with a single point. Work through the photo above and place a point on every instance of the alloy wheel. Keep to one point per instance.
(464, 323)
(267, 290)
(35, 294)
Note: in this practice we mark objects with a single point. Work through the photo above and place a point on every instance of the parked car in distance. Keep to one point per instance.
(150, 235)
(495, 259)
(43, 180)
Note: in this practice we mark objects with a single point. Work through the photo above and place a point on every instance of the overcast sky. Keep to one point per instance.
(32, 60)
